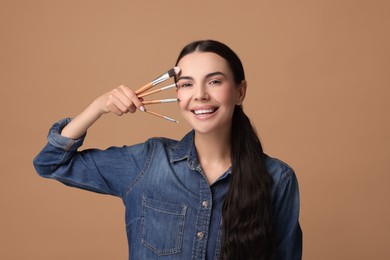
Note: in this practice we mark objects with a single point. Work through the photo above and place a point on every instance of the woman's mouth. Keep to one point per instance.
(204, 111)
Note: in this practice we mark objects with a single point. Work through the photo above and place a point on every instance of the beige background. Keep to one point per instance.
(318, 74)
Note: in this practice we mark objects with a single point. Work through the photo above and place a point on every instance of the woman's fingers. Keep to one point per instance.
(115, 105)
(122, 100)
(124, 103)
(136, 101)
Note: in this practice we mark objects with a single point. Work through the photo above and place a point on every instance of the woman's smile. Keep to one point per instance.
(204, 112)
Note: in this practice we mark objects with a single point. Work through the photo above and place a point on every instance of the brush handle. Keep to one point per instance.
(148, 93)
(144, 94)
(144, 88)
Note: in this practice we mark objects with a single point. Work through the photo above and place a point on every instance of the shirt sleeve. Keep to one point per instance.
(108, 171)
(286, 213)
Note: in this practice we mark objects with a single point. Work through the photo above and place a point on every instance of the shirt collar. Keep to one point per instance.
(185, 148)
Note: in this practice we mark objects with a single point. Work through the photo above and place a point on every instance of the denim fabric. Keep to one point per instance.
(171, 210)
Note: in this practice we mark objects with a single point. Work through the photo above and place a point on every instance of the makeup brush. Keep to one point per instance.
(167, 100)
(157, 90)
(170, 73)
(161, 116)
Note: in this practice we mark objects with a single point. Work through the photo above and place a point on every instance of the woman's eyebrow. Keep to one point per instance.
(215, 74)
(207, 75)
(184, 77)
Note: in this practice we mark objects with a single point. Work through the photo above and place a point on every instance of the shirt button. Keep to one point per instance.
(200, 235)
(205, 204)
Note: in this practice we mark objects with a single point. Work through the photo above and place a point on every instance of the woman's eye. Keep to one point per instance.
(215, 82)
(184, 85)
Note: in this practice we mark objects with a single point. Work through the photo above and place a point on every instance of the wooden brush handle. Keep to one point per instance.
(144, 94)
(144, 88)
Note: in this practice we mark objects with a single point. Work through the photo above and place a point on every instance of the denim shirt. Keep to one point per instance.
(172, 212)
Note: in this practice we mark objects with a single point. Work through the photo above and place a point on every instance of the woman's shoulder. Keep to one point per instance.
(162, 141)
(157, 144)
(171, 144)
(280, 171)
(152, 143)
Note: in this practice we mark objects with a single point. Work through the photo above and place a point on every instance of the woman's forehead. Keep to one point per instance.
(202, 63)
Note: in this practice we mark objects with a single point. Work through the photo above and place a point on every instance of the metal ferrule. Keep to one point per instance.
(160, 79)
(170, 86)
(170, 119)
(167, 100)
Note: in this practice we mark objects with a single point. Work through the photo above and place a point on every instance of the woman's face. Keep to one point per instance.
(207, 92)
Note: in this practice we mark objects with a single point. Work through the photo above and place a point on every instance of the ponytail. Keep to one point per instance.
(247, 213)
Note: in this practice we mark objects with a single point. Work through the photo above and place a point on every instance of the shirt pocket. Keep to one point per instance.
(162, 226)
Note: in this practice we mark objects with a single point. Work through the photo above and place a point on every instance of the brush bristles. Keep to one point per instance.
(172, 72)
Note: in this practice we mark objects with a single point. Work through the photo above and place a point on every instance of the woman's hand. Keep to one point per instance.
(119, 101)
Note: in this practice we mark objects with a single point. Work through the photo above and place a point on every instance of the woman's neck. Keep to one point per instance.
(214, 153)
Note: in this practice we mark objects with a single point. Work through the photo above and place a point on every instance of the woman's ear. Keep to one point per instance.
(241, 92)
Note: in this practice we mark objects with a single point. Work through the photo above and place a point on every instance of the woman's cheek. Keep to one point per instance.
(183, 100)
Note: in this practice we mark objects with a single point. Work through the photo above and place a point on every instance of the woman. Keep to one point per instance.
(212, 195)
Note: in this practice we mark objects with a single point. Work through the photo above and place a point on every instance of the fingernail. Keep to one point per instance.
(142, 108)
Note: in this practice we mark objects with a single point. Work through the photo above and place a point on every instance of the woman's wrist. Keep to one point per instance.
(80, 124)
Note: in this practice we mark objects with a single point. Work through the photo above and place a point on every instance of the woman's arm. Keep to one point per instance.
(105, 171)
(119, 101)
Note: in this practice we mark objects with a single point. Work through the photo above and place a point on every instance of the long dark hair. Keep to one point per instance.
(247, 212)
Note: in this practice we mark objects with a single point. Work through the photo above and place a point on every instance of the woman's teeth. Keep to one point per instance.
(204, 111)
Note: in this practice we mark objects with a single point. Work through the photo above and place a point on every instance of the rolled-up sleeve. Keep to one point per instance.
(104, 171)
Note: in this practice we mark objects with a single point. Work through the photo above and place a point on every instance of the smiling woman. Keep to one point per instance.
(212, 195)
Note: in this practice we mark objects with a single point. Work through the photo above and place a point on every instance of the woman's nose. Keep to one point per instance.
(201, 93)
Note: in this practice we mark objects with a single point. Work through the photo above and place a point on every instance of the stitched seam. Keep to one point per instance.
(141, 174)
(69, 145)
(60, 162)
(287, 176)
(100, 173)
(170, 212)
(79, 185)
